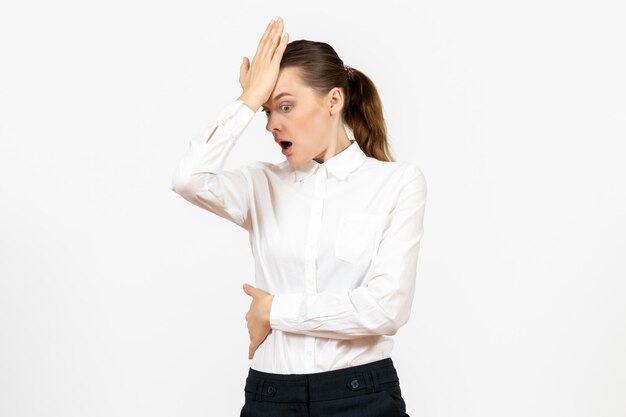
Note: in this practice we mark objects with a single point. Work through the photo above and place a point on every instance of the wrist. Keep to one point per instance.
(250, 101)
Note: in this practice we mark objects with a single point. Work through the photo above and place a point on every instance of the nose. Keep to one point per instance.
(271, 124)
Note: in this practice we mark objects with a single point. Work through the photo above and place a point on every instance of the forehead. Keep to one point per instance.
(288, 81)
(288, 77)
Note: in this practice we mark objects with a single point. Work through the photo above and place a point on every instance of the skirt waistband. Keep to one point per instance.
(321, 386)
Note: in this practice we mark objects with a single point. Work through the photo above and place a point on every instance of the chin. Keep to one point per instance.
(293, 161)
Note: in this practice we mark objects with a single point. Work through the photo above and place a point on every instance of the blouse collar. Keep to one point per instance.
(340, 165)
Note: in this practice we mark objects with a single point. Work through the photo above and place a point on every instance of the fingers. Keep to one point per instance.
(243, 70)
(278, 38)
(261, 46)
(278, 54)
(271, 39)
(268, 30)
(251, 351)
(276, 35)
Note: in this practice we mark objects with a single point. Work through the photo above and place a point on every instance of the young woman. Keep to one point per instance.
(335, 231)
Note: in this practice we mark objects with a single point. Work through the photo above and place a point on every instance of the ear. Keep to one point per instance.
(335, 101)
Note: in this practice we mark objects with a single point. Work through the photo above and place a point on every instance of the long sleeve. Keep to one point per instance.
(200, 177)
(383, 303)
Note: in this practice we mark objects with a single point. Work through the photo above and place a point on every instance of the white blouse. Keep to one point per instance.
(336, 243)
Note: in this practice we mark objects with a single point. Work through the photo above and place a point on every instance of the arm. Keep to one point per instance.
(383, 304)
(200, 177)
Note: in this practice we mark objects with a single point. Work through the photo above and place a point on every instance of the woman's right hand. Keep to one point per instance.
(259, 78)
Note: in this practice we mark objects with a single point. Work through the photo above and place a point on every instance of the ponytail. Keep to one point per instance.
(364, 116)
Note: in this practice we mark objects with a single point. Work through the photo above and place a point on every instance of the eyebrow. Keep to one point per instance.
(277, 96)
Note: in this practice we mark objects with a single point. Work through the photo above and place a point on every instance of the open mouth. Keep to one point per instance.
(285, 144)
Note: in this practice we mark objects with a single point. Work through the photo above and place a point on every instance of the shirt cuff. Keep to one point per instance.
(285, 311)
(235, 117)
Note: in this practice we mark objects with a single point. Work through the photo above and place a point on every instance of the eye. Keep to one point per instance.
(267, 112)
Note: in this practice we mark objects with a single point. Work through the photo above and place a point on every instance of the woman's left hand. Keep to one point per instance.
(258, 317)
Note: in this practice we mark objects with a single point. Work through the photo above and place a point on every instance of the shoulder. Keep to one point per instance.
(265, 169)
(407, 178)
(402, 171)
(413, 171)
(413, 179)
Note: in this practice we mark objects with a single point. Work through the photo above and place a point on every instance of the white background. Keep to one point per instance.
(119, 298)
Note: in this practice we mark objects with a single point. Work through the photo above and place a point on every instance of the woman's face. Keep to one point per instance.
(296, 113)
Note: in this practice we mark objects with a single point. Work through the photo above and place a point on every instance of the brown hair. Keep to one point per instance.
(320, 68)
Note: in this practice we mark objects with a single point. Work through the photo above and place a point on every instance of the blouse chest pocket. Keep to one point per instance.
(357, 236)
